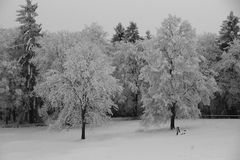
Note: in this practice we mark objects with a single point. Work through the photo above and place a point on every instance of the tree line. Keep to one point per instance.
(71, 79)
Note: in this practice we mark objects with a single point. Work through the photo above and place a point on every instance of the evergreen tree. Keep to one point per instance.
(119, 33)
(148, 35)
(132, 65)
(229, 31)
(25, 44)
(131, 33)
(227, 77)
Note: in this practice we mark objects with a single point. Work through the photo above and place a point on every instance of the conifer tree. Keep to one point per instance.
(131, 33)
(132, 63)
(229, 31)
(119, 33)
(25, 44)
(148, 35)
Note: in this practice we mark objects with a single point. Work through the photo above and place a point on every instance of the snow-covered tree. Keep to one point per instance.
(85, 88)
(208, 47)
(132, 34)
(229, 31)
(119, 33)
(226, 78)
(128, 64)
(26, 41)
(175, 82)
(53, 46)
(7, 38)
(229, 77)
(95, 34)
(11, 95)
(148, 35)
(51, 54)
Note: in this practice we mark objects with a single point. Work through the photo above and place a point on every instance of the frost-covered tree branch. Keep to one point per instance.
(85, 87)
(176, 84)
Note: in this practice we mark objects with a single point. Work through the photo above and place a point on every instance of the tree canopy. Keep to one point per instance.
(229, 31)
(84, 89)
(176, 84)
(229, 77)
(119, 33)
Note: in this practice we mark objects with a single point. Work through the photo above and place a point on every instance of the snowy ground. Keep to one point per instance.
(126, 140)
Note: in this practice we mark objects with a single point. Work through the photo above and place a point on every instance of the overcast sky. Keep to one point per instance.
(72, 15)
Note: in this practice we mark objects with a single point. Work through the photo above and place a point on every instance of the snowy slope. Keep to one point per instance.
(126, 140)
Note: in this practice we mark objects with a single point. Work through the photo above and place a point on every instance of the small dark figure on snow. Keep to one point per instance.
(178, 131)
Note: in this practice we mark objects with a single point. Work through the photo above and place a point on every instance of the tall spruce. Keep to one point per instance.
(132, 34)
(120, 33)
(229, 31)
(25, 43)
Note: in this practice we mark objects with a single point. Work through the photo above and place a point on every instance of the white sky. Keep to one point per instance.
(72, 15)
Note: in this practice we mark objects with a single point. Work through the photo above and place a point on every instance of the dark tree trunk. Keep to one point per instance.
(14, 115)
(26, 117)
(30, 114)
(83, 130)
(136, 105)
(7, 117)
(31, 110)
(209, 111)
(20, 118)
(83, 122)
(173, 111)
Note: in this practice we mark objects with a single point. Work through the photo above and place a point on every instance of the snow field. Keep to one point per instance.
(205, 139)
